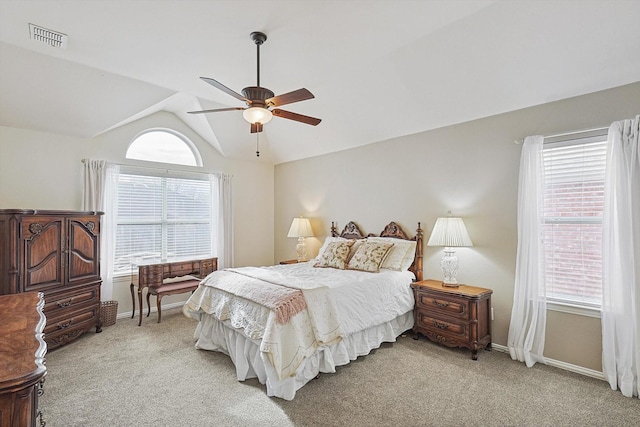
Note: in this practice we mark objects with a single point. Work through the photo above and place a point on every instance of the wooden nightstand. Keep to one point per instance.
(455, 317)
(289, 261)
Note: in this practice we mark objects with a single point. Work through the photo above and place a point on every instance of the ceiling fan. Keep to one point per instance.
(261, 100)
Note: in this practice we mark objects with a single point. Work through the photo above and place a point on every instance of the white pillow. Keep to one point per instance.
(401, 254)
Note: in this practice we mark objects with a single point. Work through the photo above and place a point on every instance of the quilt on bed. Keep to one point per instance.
(335, 303)
(292, 318)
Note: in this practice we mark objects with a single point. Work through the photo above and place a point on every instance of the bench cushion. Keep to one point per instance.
(177, 287)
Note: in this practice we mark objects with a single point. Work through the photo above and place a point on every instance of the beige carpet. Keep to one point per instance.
(153, 376)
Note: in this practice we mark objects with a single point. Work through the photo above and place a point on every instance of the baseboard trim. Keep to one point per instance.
(562, 365)
(153, 310)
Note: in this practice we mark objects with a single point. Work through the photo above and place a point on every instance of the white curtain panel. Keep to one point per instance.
(222, 216)
(621, 259)
(100, 193)
(529, 313)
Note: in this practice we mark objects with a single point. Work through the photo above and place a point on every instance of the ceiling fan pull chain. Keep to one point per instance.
(257, 145)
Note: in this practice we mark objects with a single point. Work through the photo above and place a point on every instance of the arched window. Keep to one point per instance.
(162, 215)
(164, 146)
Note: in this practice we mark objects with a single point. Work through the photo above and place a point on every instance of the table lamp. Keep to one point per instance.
(301, 228)
(449, 232)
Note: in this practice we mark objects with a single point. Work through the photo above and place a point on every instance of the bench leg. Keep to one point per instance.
(159, 299)
(148, 304)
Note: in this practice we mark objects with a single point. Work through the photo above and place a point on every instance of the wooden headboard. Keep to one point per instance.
(352, 231)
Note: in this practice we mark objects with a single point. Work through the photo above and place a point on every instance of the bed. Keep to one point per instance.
(286, 324)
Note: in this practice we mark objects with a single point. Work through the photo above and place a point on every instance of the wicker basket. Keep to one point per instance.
(108, 312)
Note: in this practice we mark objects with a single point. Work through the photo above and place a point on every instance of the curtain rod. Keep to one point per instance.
(161, 169)
(559, 135)
(600, 129)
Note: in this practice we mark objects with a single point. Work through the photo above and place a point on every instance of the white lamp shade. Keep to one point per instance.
(300, 227)
(257, 115)
(449, 232)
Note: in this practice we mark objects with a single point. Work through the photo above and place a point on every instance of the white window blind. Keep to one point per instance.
(574, 198)
(161, 219)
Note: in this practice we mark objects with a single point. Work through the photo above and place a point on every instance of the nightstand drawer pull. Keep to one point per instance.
(440, 325)
(441, 304)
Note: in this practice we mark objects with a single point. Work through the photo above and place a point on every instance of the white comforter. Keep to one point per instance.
(339, 303)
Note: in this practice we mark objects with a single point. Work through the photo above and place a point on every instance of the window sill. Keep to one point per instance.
(580, 310)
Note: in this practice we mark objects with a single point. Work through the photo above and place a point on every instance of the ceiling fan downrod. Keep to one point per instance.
(258, 38)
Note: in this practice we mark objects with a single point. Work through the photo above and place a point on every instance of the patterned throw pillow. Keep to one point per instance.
(335, 255)
(369, 256)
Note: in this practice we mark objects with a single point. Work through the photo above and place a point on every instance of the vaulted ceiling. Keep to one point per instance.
(378, 69)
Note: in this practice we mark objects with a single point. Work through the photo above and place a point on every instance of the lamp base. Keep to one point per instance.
(449, 265)
(301, 249)
(450, 285)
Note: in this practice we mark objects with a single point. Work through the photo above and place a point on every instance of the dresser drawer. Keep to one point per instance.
(69, 319)
(60, 330)
(208, 263)
(208, 266)
(181, 268)
(448, 305)
(70, 300)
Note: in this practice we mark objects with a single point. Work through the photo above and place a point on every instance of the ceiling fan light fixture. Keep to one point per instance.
(257, 115)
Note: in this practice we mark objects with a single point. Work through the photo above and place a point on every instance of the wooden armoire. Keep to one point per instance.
(56, 253)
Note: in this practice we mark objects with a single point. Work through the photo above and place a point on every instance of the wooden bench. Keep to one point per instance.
(171, 278)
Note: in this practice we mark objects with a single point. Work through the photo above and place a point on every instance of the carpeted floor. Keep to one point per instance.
(153, 376)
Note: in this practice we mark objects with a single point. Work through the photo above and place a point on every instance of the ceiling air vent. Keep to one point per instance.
(52, 38)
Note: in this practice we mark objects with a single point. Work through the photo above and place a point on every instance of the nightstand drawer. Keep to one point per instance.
(445, 304)
(443, 327)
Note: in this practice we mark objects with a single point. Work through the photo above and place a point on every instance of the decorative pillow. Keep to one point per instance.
(355, 244)
(369, 256)
(326, 243)
(335, 255)
(400, 256)
(354, 248)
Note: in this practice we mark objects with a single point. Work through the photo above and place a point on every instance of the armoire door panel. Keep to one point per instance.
(43, 252)
(83, 249)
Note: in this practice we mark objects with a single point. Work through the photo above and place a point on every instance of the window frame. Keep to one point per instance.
(563, 140)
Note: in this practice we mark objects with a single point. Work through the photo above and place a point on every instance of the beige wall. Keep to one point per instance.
(470, 169)
(44, 171)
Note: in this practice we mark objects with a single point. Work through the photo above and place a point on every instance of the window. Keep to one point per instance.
(163, 146)
(573, 206)
(161, 218)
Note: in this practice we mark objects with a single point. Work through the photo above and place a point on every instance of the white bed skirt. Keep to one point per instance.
(211, 334)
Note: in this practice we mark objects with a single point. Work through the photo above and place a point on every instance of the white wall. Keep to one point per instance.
(471, 169)
(44, 171)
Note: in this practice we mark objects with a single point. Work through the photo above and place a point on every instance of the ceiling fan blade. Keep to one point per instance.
(215, 110)
(223, 88)
(295, 116)
(256, 127)
(289, 98)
